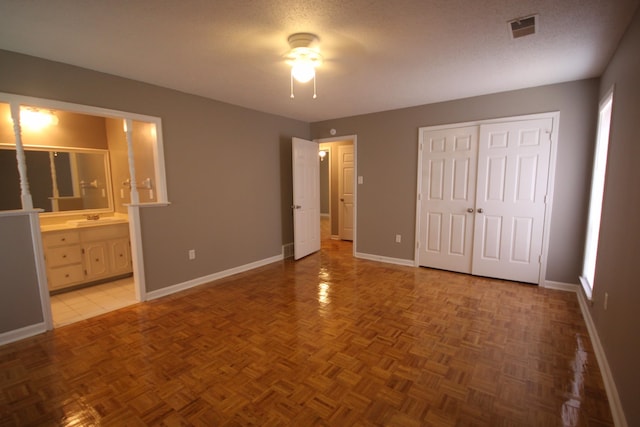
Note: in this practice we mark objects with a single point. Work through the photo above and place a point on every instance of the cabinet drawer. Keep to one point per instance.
(60, 238)
(62, 276)
(64, 255)
(105, 232)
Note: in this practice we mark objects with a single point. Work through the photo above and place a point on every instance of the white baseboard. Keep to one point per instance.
(210, 278)
(379, 258)
(569, 287)
(22, 333)
(335, 237)
(619, 419)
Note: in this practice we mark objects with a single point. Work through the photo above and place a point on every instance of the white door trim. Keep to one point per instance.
(354, 140)
(555, 116)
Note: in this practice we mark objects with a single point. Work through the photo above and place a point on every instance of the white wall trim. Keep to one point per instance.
(210, 278)
(22, 333)
(561, 286)
(615, 404)
(137, 256)
(41, 270)
(389, 260)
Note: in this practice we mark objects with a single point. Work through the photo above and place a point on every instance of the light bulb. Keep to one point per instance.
(36, 119)
(303, 71)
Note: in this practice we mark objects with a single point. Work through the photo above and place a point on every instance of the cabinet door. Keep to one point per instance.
(95, 260)
(120, 256)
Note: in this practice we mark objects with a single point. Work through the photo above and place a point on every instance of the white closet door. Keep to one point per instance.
(448, 185)
(513, 169)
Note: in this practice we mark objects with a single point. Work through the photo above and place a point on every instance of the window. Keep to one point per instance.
(597, 192)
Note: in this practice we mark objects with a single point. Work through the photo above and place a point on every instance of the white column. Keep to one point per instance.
(128, 128)
(54, 182)
(25, 194)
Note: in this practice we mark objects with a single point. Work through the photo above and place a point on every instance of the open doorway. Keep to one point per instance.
(338, 188)
(87, 240)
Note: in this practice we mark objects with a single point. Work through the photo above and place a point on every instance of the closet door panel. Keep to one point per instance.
(448, 183)
(513, 168)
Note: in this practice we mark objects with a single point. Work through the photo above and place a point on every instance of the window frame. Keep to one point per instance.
(596, 193)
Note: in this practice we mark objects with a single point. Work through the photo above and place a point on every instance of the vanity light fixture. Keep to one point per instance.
(36, 119)
(303, 58)
(322, 155)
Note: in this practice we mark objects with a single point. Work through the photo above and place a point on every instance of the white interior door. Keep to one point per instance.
(448, 184)
(513, 170)
(345, 191)
(306, 197)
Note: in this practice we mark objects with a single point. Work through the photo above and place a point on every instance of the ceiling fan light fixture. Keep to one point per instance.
(303, 58)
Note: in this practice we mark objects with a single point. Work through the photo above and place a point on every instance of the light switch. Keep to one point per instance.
(360, 180)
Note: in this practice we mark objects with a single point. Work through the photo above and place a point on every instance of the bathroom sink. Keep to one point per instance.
(96, 222)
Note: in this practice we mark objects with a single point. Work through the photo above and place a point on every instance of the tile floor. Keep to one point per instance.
(88, 302)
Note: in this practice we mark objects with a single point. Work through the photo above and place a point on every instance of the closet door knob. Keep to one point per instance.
(470, 210)
(480, 210)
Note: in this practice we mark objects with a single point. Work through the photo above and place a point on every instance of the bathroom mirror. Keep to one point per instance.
(60, 180)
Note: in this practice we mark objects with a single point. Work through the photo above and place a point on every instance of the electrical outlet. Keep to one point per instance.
(606, 300)
(398, 238)
(192, 254)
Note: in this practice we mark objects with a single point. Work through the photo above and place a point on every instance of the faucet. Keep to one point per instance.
(93, 217)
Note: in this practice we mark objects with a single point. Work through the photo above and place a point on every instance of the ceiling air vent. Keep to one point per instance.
(523, 26)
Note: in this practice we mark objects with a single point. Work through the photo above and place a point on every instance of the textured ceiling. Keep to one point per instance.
(379, 54)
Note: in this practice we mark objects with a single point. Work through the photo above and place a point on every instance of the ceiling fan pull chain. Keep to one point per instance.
(314, 87)
(292, 86)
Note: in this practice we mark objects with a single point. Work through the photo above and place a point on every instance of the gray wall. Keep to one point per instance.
(619, 245)
(228, 169)
(387, 159)
(19, 293)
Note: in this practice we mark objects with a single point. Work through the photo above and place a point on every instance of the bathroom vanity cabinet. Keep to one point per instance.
(77, 256)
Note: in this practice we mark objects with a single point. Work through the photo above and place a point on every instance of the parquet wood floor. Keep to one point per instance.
(326, 341)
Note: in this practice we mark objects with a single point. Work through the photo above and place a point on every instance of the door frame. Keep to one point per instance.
(555, 116)
(354, 141)
(134, 217)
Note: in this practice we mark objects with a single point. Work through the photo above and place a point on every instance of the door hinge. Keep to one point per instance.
(539, 259)
(419, 196)
(83, 251)
(418, 244)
